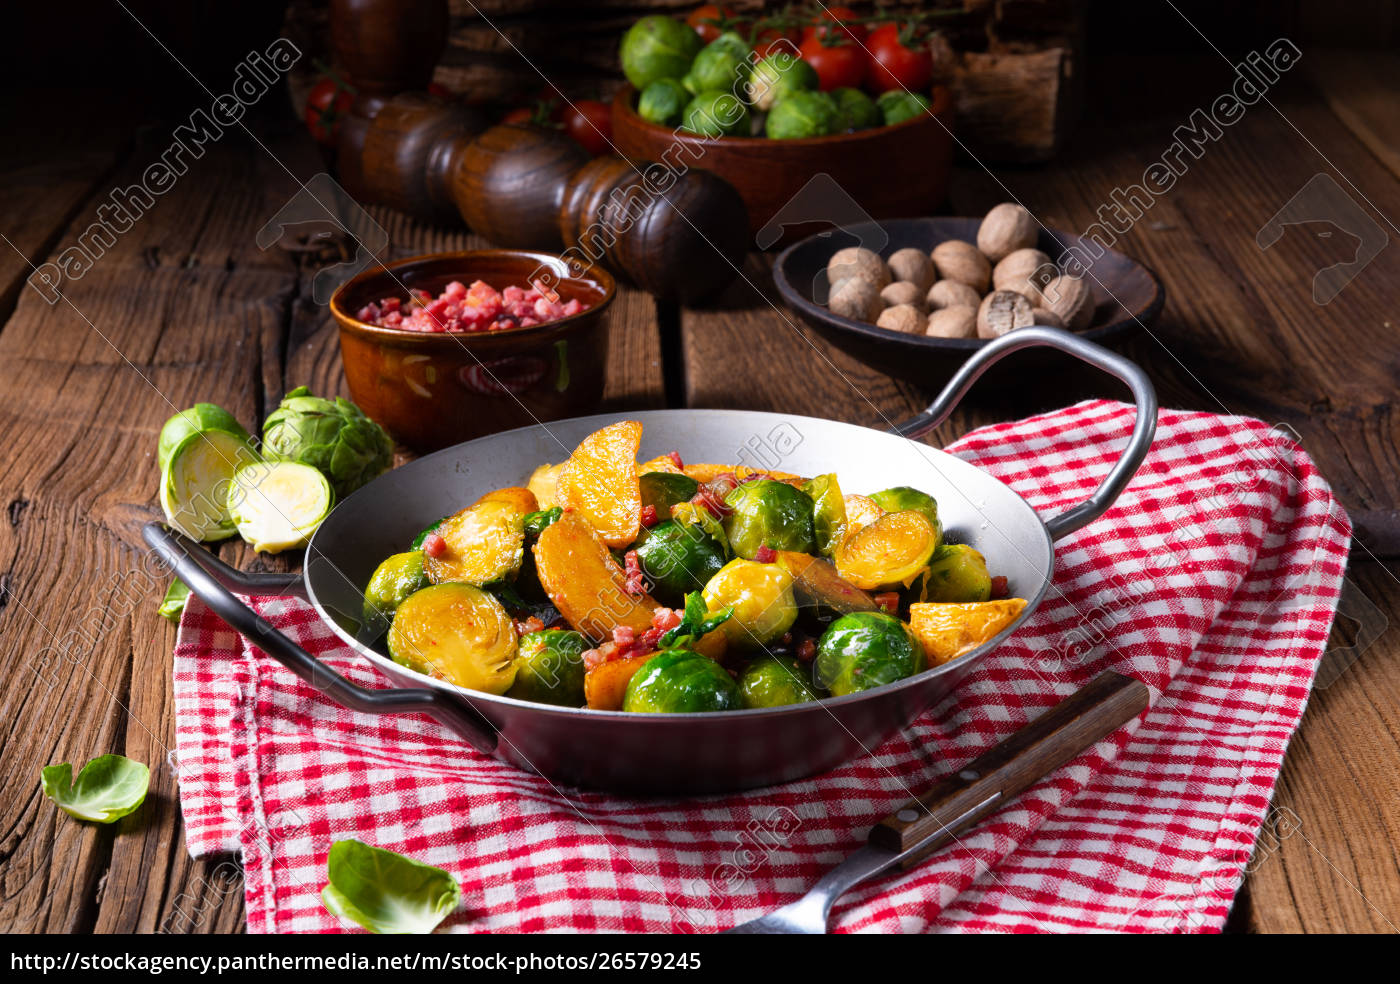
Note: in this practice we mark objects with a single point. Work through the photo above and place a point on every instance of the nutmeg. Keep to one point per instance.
(1006, 228)
(1003, 311)
(1070, 299)
(856, 299)
(1027, 290)
(950, 293)
(1046, 317)
(912, 265)
(954, 321)
(858, 263)
(903, 317)
(905, 292)
(963, 262)
(1023, 265)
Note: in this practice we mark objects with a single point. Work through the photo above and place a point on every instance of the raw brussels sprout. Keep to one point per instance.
(391, 584)
(458, 633)
(278, 505)
(658, 47)
(903, 497)
(803, 114)
(680, 681)
(198, 419)
(857, 110)
(719, 66)
(771, 681)
(196, 479)
(663, 102)
(549, 668)
(896, 106)
(716, 114)
(956, 573)
(332, 436)
(172, 606)
(666, 489)
(780, 74)
(769, 513)
(864, 650)
(678, 558)
(828, 511)
(760, 598)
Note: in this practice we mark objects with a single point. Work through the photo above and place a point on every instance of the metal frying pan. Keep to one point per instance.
(669, 753)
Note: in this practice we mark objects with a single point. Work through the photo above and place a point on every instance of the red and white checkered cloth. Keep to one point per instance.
(1214, 580)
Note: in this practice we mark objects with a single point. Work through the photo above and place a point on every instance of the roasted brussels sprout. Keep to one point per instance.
(678, 558)
(760, 599)
(662, 490)
(549, 668)
(956, 573)
(769, 513)
(890, 552)
(392, 582)
(458, 633)
(864, 650)
(681, 681)
(903, 497)
(828, 511)
(771, 681)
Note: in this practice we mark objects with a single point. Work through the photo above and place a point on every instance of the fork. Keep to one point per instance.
(930, 821)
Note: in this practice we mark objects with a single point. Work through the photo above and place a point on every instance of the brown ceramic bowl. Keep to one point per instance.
(880, 173)
(433, 390)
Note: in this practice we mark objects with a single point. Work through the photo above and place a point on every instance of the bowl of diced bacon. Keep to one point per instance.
(450, 346)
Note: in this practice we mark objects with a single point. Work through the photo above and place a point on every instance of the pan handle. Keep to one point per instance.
(1144, 396)
(210, 579)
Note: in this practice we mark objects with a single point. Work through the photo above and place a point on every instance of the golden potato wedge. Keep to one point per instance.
(485, 542)
(599, 481)
(521, 499)
(950, 630)
(585, 583)
(705, 472)
(605, 685)
(544, 482)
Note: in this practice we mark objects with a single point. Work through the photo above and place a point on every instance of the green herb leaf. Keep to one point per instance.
(537, 522)
(173, 604)
(107, 788)
(695, 622)
(386, 892)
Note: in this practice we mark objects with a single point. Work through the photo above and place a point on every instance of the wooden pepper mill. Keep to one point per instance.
(677, 232)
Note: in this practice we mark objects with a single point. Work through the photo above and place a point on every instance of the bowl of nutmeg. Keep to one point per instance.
(915, 297)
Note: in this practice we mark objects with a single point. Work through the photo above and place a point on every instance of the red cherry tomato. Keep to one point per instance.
(836, 20)
(898, 61)
(522, 114)
(838, 66)
(590, 123)
(772, 41)
(711, 20)
(325, 107)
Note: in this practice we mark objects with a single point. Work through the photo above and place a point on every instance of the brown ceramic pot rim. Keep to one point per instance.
(941, 102)
(402, 336)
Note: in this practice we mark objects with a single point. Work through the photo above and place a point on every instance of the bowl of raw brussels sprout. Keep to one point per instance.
(685, 601)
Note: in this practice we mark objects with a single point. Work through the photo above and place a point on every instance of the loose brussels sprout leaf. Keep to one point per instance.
(658, 47)
(277, 505)
(199, 419)
(172, 606)
(332, 436)
(769, 513)
(549, 668)
(196, 481)
(680, 681)
(773, 682)
(456, 632)
(759, 598)
(865, 650)
(817, 585)
(107, 789)
(689, 514)
(537, 522)
(385, 892)
(828, 511)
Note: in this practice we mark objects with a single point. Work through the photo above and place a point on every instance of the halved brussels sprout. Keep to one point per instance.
(458, 633)
(681, 681)
(196, 481)
(903, 497)
(890, 551)
(485, 543)
(770, 681)
(391, 584)
(678, 558)
(760, 599)
(662, 490)
(864, 650)
(956, 573)
(278, 505)
(549, 668)
(828, 511)
(769, 513)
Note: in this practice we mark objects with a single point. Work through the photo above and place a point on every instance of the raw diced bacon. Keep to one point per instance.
(765, 554)
(434, 545)
(480, 307)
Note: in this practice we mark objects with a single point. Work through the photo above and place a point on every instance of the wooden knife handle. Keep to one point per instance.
(988, 782)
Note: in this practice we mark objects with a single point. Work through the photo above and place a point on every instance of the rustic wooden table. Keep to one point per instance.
(185, 307)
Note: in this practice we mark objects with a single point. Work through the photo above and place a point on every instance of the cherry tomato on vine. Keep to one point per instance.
(836, 20)
(711, 20)
(773, 40)
(325, 107)
(898, 60)
(590, 123)
(838, 66)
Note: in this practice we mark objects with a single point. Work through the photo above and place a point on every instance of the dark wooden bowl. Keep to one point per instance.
(1127, 296)
(433, 390)
(870, 174)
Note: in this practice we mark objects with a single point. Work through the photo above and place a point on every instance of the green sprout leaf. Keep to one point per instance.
(386, 892)
(107, 788)
(173, 604)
